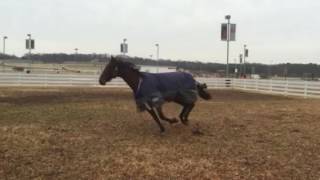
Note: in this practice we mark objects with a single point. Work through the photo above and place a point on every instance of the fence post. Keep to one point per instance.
(46, 79)
(305, 89)
(245, 83)
(19, 79)
(231, 83)
(286, 88)
(96, 80)
(256, 84)
(271, 85)
(72, 81)
(227, 82)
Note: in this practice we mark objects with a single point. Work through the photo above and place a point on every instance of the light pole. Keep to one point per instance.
(286, 71)
(228, 17)
(124, 46)
(4, 44)
(157, 45)
(76, 50)
(244, 60)
(235, 68)
(240, 65)
(269, 70)
(29, 44)
(29, 47)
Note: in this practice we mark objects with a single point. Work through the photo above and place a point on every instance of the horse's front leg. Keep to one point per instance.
(163, 117)
(156, 117)
(185, 113)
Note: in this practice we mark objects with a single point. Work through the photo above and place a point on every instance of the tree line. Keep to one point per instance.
(6, 56)
(264, 70)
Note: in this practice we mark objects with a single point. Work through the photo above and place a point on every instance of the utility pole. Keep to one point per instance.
(228, 17)
(4, 44)
(124, 46)
(29, 47)
(235, 68)
(241, 67)
(228, 33)
(157, 45)
(244, 60)
(29, 44)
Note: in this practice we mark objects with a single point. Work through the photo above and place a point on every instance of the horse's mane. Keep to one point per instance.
(129, 65)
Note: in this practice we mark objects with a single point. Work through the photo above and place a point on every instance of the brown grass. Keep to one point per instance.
(72, 133)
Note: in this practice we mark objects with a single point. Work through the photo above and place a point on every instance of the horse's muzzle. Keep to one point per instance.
(102, 82)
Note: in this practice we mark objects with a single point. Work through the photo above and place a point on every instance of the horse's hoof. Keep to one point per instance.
(162, 130)
(173, 121)
(162, 133)
(185, 123)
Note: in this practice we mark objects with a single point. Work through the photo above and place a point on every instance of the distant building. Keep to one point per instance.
(157, 69)
(255, 76)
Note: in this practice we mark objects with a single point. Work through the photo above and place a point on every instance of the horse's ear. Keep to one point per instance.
(113, 59)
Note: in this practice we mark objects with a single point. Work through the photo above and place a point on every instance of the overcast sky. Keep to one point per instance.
(275, 31)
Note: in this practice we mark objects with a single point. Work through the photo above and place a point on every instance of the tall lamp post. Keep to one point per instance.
(228, 17)
(124, 47)
(4, 44)
(245, 54)
(29, 44)
(29, 47)
(76, 50)
(157, 45)
(240, 65)
(228, 33)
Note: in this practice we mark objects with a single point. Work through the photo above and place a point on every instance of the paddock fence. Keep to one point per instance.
(283, 87)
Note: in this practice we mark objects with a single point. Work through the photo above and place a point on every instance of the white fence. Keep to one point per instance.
(298, 88)
(23, 79)
(285, 87)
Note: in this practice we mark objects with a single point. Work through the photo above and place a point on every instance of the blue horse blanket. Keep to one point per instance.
(155, 88)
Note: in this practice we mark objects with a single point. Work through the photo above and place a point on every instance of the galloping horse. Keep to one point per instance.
(151, 90)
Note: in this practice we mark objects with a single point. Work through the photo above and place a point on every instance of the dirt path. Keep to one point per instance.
(71, 133)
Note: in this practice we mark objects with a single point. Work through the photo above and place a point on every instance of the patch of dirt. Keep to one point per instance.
(96, 133)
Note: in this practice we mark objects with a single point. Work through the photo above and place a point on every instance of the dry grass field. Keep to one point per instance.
(96, 133)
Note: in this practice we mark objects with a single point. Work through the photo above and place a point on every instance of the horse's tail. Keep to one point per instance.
(202, 92)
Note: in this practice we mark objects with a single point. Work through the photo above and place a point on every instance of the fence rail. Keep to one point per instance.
(284, 87)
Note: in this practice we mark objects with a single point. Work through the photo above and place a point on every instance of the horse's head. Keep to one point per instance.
(109, 72)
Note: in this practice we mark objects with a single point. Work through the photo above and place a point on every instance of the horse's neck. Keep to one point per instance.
(132, 79)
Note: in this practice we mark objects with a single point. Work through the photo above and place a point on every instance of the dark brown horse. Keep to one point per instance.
(151, 90)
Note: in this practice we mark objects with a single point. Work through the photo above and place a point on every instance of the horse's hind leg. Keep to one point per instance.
(163, 117)
(185, 113)
(156, 117)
